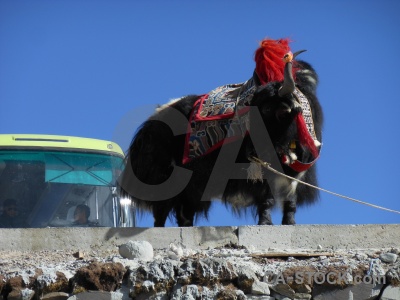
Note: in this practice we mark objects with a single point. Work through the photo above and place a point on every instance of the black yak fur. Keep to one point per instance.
(157, 150)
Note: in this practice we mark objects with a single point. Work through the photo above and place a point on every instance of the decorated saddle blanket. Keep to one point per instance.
(218, 117)
(222, 116)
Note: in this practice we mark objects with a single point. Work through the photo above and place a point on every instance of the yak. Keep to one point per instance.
(199, 148)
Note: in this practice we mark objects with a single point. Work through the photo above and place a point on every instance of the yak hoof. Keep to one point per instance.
(265, 222)
(288, 220)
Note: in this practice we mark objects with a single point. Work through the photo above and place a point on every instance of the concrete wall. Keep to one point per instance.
(262, 237)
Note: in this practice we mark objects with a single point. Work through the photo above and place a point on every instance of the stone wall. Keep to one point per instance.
(141, 269)
(262, 237)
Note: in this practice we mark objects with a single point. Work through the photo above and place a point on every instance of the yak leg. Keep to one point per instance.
(264, 211)
(289, 210)
(160, 214)
(185, 215)
(289, 204)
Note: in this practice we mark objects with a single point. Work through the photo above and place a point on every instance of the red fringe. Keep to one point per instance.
(304, 136)
(269, 59)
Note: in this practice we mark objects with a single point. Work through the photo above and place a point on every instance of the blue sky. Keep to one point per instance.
(98, 68)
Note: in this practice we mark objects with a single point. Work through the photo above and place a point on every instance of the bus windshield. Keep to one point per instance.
(60, 188)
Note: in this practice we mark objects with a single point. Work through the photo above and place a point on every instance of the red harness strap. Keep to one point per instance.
(299, 166)
(305, 133)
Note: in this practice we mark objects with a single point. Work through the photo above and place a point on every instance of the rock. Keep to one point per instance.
(241, 296)
(388, 257)
(260, 288)
(246, 278)
(55, 296)
(16, 289)
(175, 252)
(376, 268)
(189, 252)
(192, 292)
(122, 294)
(152, 296)
(279, 296)
(358, 291)
(131, 264)
(79, 255)
(2, 283)
(99, 276)
(98, 295)
(162, 272)
(302, 296)
(24, 294)
(229, 293)
(206, 271)
(395, 251)
(148, 286)
(303, 288)
(50, 281)
(142, 250)
(252, 297)
(222, 273)
(393, 275)
(361, 256)
(391, 293)
(283, 289)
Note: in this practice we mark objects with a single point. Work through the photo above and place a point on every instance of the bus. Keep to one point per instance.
(48, 177)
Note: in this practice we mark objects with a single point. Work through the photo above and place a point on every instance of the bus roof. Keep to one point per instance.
(58, 141)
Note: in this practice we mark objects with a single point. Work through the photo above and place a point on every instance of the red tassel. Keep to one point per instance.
(304, 136)
(269, 60)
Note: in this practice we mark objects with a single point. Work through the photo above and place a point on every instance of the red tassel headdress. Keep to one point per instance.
(268, 58)
(271, 59)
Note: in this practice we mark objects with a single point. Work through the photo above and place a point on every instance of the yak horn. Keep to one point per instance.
(288, 82)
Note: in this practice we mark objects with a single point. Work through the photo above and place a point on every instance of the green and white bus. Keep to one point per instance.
(48, 176)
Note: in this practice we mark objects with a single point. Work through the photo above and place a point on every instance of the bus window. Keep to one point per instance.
(59, 188)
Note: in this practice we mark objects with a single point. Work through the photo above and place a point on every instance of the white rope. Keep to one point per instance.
(268, 166)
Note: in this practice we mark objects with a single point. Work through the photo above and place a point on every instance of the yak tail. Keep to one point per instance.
(149, 157)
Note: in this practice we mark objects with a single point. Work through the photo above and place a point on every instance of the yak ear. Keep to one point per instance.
(306, 76)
